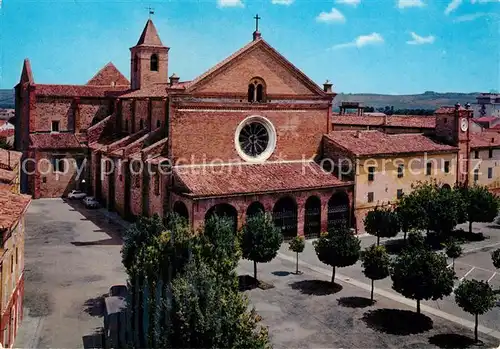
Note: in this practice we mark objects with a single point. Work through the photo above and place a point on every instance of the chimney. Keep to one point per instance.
(327, 86)
(174, 79)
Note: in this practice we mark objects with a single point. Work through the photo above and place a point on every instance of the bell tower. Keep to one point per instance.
(149, 59)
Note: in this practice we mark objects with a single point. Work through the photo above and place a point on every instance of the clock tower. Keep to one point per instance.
(453, 127)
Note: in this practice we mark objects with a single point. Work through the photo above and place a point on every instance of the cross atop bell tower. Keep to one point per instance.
(256, 33)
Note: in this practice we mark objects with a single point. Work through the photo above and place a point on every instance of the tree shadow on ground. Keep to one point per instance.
(396, 321)
(247, 283)
(94, 340)
(281, 273)
(451, 341)
(95, 306)
(355, 302)
(316, 287)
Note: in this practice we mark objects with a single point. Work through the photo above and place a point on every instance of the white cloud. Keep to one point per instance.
(410, 3)
(348, 2)
(483, 1)
(452, 6)
(362, 40)
(282, 2)
(420, 40)
(470, 17)
(333, 16)
(229, 3)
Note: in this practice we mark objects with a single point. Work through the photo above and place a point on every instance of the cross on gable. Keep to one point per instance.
(257, 22)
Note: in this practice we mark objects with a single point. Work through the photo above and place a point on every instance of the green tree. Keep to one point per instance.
(382, 222)
(453, 251)
(376, 264)
(476, 298)
(495, 257)
(422, 274)
(260, 240)
(338, 248)
(481, 204)
(413, 207)
(5, 145)
(416, 241)
(297, 245)
(444, 211)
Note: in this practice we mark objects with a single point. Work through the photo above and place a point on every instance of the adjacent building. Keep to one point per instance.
(10, 170)
(488, 104)
(12, 226)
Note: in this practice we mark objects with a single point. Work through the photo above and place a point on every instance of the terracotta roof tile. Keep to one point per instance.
(447, 110)
(10, 158)
(410, 121)
(78, 90)
(109, 75)
(485, 139)
(11, 207)
(366, 143)
(54, 141)
(254, 178)
(156, 90)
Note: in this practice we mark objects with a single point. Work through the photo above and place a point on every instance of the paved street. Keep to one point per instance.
(302, 311)
(474, 264)
(72, 258)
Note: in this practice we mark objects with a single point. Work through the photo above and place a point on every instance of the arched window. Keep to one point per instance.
(141, 124)
(257, 90)
(154, 62)
(136, 63)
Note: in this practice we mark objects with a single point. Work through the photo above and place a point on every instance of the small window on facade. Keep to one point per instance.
(476, 175)
(445, 120)
(44, 179)
(428, 171)
(154, 62)
(490, 172)
(399, 193)
(490, 153)
(158, 123)
(55, 126)
(257, 90)
(260, 93)
(157, 184)
(141, 124)
(446, 167)
(17, 255)
(251, 92)
(370, 196)
(476, 154)
(371, 173)
(58, 163)
(401, 169)
(126, 124)
(11, 263)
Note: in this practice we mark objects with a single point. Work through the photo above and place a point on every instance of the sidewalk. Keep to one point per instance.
(115, 218)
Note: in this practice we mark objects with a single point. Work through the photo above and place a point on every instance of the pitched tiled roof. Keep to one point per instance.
(109, 75)
(366, 143)
(448, 110)
(149, 36)
(156, 90)
(11, 207)
(410, 121)
(77, 90)
(254, 178)
(486, 119)
(10, 158)
(54, 141)
(485, 139)
(27, 74)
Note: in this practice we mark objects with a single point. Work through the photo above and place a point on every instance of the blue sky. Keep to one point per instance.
(377, 46)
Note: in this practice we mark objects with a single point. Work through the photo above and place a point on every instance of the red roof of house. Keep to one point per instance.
(254, 178)
(410, 121)
(77, 90)
(109, 75)
(149, 36)
(485, 119)
(366, 143)
(448, 110)
(9, 160)
(156, 90)
(485, 139)
(11, 208)
(54, 141)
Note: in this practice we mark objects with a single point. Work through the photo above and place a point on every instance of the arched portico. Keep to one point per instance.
(181, 209)
(254, 208)
(338, 210)
(285, 217)
(312, 217)
(224, 211)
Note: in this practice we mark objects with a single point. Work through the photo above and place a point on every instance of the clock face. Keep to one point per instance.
(464, 125)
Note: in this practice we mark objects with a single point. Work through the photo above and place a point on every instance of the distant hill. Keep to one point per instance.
(6, 99)
(427, 100)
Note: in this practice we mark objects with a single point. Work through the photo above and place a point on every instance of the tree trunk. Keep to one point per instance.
(378, 240)
(333, 276)
(475, 331)
(418, 306)
(371, 296)
(405, 236)
(255, 270)
(453, 263)
(470, 227)
(297, 265)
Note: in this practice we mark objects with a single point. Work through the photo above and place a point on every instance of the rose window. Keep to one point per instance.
(254, 139)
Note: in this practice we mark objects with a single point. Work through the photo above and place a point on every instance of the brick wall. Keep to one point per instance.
(158, 113)
(210, 134)
(90, 109)
(50, 109)
(143, 76)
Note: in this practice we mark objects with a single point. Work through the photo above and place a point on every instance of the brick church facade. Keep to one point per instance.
(243, 136)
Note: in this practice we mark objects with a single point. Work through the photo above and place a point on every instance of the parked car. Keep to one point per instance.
(90, 202)
(76, 194)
